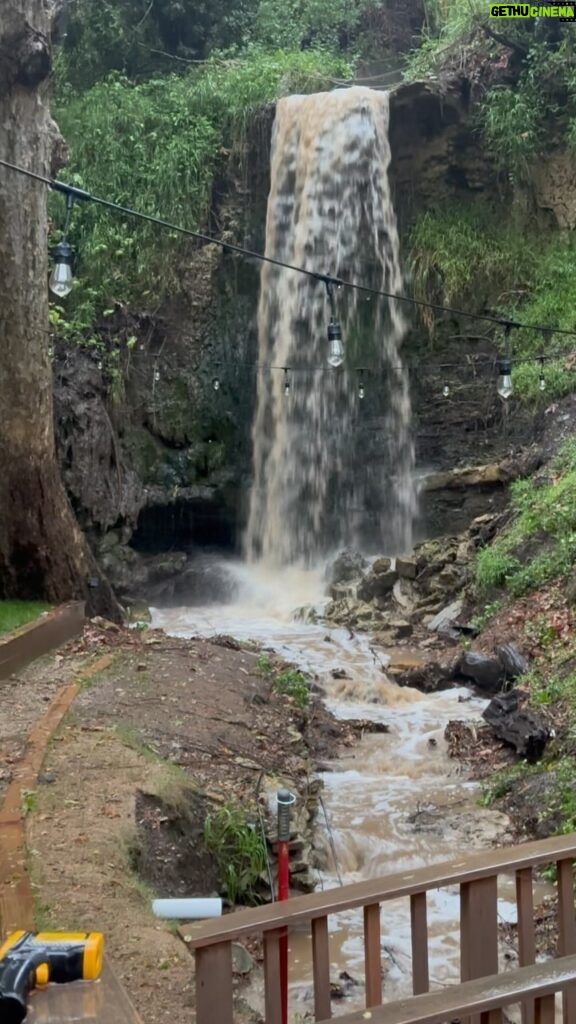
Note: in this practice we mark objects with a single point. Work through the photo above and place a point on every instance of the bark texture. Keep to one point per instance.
(43, 553)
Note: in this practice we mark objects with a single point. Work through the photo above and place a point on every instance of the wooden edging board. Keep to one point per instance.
(51, 630)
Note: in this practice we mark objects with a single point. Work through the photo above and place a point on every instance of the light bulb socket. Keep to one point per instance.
(504, 367)
(334, 331)
(62, 252)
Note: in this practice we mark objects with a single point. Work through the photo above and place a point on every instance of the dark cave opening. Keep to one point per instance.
(186, 525)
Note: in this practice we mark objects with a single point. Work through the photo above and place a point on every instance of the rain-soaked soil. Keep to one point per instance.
(171, 728)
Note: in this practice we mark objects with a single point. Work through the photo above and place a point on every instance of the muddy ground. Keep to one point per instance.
(169, 730)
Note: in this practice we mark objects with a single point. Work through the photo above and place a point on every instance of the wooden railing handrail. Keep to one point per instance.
(471, 997)
(379, 890)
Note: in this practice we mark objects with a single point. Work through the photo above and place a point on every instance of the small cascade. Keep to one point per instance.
(331, 468)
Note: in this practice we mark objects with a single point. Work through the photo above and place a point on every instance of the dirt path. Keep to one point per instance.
(168, 730)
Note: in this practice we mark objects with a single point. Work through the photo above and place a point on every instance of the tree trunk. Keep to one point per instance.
(43, 553)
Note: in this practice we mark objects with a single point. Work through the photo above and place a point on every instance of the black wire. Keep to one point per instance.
(326, 279)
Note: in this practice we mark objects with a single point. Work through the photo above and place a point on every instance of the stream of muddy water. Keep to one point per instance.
(395, 802)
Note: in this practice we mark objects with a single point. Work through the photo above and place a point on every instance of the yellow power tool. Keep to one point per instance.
(29, 960)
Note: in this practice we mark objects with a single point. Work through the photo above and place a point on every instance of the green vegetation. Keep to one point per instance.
(142, 41)
(533, 107)
(289, 682)
(540, 544)
(294, 685)
(158, 146)
(519, 272)
(14, 614)
(239, 850)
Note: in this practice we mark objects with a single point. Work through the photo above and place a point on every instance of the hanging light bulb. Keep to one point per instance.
(335, 348)
(100, 364)
(156, 376)
(505, 387)
(50, 351)
(446, 391)
(361, 391)
(60, 281)
(542, 381)
(216, 384)
(286, 382)
(61, 277)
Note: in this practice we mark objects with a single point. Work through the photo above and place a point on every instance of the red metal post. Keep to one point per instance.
(285, 801)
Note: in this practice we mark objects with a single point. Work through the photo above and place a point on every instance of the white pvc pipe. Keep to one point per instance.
(188, 909)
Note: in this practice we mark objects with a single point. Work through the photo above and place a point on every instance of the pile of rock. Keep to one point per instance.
(391, 596)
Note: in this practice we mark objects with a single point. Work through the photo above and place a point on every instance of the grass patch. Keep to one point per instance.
(293, 684)
(14, 614)
(289, 682)
(233, 837)
(544, 515)
(519, 273)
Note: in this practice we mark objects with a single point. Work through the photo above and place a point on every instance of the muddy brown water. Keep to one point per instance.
(396, 802)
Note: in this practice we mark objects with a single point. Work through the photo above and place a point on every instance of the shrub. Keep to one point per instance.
(239, 850)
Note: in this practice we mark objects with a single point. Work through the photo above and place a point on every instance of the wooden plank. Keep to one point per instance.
(479, 932)
(567, 928)
(305, 908)
(46, 634)
(545, 1010)
(272, 987)
(214, 984)
(419, 936)
(372, 959)
(321, 969)
(104, 1002)
(480, 996)
(526, 931)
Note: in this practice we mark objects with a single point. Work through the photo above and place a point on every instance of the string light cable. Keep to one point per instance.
(81, 195)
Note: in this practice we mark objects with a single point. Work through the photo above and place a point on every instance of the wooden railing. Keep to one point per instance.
(485, 998)
(477, 878)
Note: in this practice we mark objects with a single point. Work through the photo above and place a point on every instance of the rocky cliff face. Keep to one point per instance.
(151, 452)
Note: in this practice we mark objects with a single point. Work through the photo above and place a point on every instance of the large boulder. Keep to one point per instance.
(486, 672)
(347, 566)
(429, 678)
(516, 726)
(379, 582)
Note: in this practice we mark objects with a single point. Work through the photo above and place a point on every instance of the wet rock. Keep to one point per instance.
(446, 616)
(379, 582)
(163, 567)
(404, 595)
(348, 565)
(342, 591)
(126, 570)
(513, 662)
(487, 673)
(339, 673)
(516, 726)
(307, 613)
(241, 959)
(203, 581)
(401, 628)
(429, 678)
(407, 567)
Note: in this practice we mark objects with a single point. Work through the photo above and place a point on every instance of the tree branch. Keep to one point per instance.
(504, 41)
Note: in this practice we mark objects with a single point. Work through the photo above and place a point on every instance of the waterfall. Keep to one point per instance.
(330, 469)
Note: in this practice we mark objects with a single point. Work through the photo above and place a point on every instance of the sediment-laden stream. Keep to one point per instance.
(394, 803)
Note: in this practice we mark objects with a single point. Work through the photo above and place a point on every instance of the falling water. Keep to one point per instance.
(330, 468)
